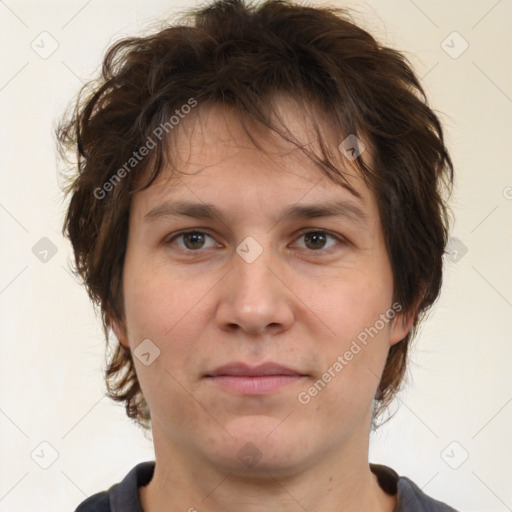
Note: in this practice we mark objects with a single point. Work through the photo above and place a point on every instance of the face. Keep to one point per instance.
(252, 285)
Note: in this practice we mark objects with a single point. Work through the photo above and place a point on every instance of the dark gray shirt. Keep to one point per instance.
(124, 496)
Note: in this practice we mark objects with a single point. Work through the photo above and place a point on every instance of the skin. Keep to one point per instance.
(300, 304)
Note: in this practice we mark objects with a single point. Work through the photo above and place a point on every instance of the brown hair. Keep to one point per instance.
(240, 55)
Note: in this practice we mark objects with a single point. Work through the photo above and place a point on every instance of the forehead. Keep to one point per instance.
(215, 155)
(213, 129)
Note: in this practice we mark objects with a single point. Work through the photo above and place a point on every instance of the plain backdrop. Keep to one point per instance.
(451, 434)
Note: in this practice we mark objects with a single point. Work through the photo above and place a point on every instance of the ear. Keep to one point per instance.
(120, 332)
(401, 326)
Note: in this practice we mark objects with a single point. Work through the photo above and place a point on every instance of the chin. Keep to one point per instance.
(260, 446)
(250, 461)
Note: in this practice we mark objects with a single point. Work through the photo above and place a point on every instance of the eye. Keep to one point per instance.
(193, 240)
(316, 240)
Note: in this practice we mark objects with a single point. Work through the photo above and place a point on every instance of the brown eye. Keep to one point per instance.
(192, 240)
(317, 240)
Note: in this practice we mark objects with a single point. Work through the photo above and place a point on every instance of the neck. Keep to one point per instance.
(184, 481)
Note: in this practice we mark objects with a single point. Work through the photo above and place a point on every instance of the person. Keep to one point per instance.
(259, 208)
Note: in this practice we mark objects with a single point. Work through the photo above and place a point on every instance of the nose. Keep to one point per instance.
(254, 297)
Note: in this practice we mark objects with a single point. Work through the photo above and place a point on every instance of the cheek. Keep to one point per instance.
(160, 301)
(354, 304)
(169, 310)
(356, 351)
(156, 311)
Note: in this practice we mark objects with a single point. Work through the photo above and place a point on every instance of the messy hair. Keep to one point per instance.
(239, 56)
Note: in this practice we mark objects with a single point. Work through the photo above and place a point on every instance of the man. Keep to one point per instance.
(259, 212)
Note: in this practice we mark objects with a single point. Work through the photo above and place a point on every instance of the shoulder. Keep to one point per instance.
(123, 496)
(99, 502)
(410, 498)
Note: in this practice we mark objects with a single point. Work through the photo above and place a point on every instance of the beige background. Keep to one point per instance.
(51, 343)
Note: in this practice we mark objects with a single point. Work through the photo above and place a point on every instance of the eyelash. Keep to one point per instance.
(339, 238)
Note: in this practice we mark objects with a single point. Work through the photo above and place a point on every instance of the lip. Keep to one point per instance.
(242, 379)
(243, 369)
(260, 385)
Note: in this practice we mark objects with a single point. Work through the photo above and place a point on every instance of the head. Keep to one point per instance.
(254, 109)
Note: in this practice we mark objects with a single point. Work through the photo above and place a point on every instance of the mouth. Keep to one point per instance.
(240, 378)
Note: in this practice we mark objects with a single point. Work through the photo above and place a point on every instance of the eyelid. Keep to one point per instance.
(169, 239)
(337, 236)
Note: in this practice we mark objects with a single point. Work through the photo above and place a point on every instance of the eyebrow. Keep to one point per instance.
(339, 208)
